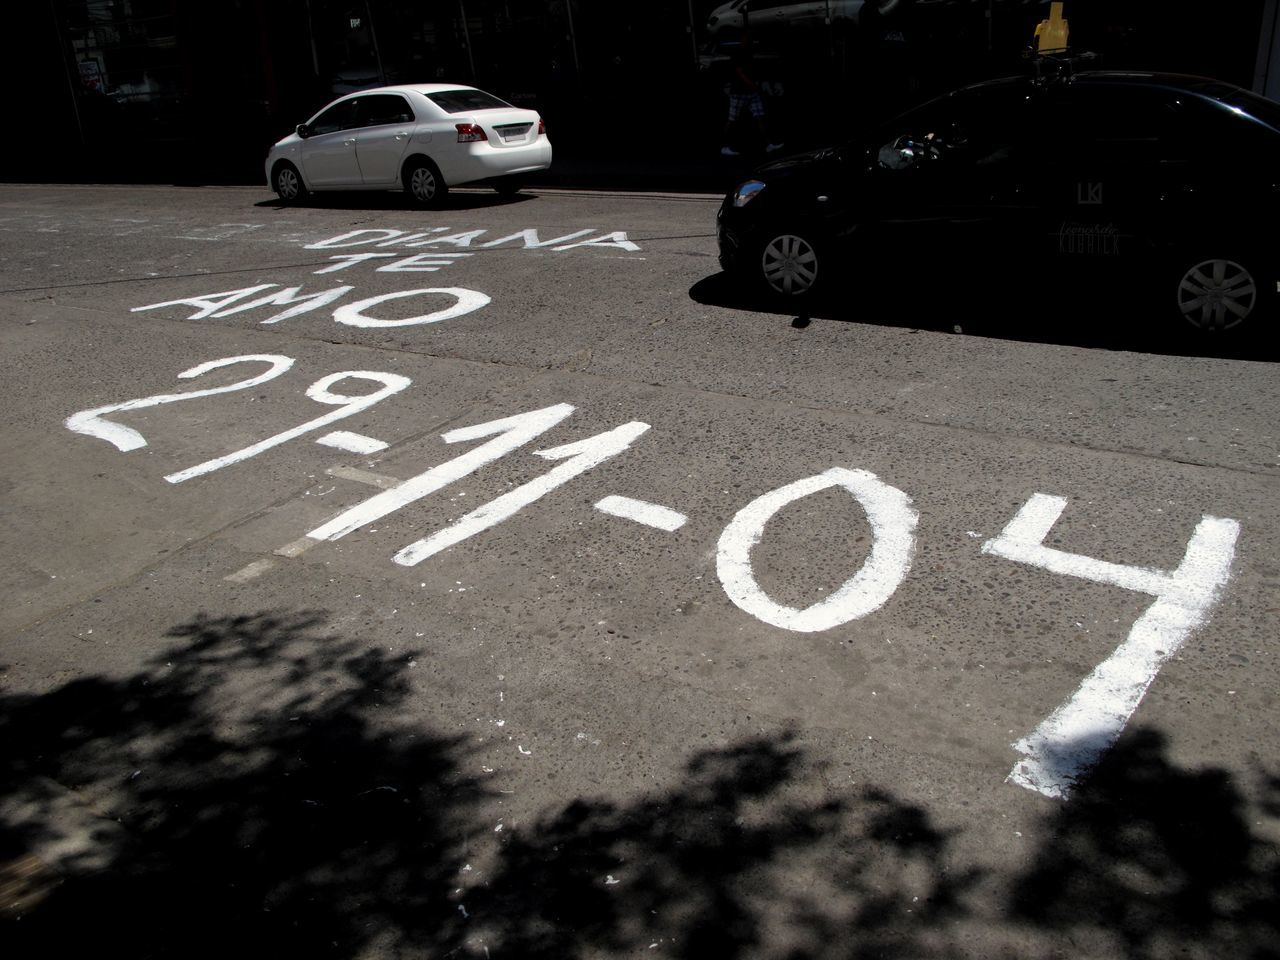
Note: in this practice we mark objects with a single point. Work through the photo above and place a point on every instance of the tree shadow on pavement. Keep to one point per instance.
(258, 790)
(1150, 861)
(237, 798)
(724, 866)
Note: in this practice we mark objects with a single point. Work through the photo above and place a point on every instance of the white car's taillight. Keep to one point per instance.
(470, 132)
(542, 127)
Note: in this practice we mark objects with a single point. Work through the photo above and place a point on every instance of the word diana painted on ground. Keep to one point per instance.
(1056, 754)
(440, 237)
(446, 303)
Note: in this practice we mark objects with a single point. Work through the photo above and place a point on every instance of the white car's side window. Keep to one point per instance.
(338, 117)
(382, 109)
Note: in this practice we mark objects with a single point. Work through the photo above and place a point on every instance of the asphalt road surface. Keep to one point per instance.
(501, 581)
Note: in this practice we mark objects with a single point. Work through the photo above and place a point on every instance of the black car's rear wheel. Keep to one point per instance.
(1220, 295)
(790, 265)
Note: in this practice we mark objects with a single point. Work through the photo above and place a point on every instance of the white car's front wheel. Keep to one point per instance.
(287, 183)
(423, 183)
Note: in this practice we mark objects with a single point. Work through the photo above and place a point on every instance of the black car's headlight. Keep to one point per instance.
(745, 192)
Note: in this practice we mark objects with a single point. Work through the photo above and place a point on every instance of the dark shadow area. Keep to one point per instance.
(698, 870)
(237, 798)
(1106, 317)
(258, 790)
(468, 199)
(143, 93)
(648, 168)
(1157, 861)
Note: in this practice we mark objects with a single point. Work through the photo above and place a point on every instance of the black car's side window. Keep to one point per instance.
(382, 108)
(972, 130)
(1113, 126)
(341, 116)
(915, 140)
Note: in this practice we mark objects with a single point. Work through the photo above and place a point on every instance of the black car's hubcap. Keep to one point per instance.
(1217, 294)
(790, 265)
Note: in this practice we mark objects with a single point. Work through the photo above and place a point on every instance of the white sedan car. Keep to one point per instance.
(422, 137)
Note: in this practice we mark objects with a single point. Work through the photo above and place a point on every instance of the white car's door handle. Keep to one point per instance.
(348, 143)
(401, 136)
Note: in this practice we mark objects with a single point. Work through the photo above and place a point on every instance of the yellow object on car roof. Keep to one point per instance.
(1051, 34)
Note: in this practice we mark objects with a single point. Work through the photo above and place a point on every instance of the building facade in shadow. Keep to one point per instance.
(125, 89)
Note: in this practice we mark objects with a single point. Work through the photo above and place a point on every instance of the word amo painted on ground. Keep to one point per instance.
(1056, 754)
(458, 302)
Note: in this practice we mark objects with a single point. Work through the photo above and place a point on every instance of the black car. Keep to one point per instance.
(1166, 185)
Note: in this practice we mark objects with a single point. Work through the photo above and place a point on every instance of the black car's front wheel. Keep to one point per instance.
(1221, 295)
(790, 265)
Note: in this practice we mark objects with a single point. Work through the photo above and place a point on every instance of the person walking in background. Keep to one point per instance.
(744, 98)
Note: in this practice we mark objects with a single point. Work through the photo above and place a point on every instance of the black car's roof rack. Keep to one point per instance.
(1057, 66)
(1049, 54)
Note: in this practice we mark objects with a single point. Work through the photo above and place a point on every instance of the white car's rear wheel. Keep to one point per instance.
(423, 183)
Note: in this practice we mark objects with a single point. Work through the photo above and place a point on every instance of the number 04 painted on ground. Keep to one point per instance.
(1071, 740)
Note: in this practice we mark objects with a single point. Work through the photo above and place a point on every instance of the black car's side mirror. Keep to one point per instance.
(906, 153)
(302, 131)
(902, 154)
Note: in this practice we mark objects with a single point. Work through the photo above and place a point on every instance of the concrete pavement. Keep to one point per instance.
(232, 723)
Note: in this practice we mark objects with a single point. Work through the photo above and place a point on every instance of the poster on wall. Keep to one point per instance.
(91, 75)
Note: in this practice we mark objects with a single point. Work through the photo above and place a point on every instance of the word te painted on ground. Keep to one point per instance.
(1062, 749)
(414, 263)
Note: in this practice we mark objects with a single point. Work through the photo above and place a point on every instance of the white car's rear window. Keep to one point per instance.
(464, 101)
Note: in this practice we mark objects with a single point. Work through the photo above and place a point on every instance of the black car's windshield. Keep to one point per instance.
(1260, 108)
(464, 101)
